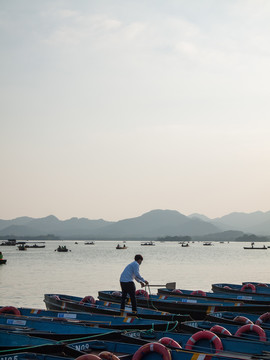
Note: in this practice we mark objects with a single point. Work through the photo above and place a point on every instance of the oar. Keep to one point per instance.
(169, 286)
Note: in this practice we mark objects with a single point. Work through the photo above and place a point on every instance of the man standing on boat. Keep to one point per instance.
(130, 273)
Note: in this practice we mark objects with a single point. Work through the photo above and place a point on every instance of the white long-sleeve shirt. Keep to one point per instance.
(131, 272)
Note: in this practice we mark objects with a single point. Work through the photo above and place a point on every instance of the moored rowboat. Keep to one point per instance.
(74, 303)
(17, 342)
(251, 288)
(98, 320)
(245, 297)
(152, 351)
(240, 318)
(56, 330)
(197, 308)
(247, 331)
(200, 342)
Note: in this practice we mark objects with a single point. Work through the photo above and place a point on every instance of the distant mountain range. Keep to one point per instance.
(153, 224)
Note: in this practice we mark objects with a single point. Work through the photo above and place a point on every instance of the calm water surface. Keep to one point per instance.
(86, 269)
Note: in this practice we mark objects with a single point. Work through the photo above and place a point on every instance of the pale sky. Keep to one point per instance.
(110, 109)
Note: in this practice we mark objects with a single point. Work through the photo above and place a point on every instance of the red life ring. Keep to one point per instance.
(88, 357)
(263, 318)
(177, 291)
(166, 341)
(88, 299)
(106, 355)
(152, 347)
(262, 285)
(142, 293)
(252, 328)
(204, 334)
(242, 319)
(10, 310)
(198, 292)
(249, 286)
(217, 329)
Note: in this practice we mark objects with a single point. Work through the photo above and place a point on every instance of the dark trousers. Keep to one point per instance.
(128, 288)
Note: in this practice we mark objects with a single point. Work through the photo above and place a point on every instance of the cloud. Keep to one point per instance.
(81, 28)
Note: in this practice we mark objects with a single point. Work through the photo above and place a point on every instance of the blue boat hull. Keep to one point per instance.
(94, 347)
(11, 342)
(195, 326)
(56, 330)
(234, 318)
(104, 321)
(244, 296)
(72, 303)
(233, 345)
(197, 308)
(238, 289)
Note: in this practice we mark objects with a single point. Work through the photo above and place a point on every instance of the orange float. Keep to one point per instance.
(152, 347)
(106, 355)
(10, 310)
(88, 299)
(167, 341)
(249, 286)
(142, 293)
(198, 292)
(243, 319)
(252, 328)
(217, 329)
(202, 335)
(263, 318)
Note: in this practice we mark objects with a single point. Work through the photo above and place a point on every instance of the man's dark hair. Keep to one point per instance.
(138, 257)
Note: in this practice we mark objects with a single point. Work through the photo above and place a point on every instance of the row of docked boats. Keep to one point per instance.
(96, 329)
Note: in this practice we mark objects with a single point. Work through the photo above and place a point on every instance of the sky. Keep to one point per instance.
(110, 109)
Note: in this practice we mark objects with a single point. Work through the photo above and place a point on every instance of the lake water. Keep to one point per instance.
(86, 269)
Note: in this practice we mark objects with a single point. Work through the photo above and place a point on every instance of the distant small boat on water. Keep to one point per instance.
(184, 244)
(148, 243)
(119, 247)
(252, 247)
(89, 243)
(9, 242)
(62, 249)
(35, 246)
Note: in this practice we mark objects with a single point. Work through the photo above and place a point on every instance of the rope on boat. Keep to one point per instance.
(168, 323)
(152, 305)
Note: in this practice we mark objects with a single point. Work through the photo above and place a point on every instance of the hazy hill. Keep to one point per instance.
(152, 224)
(260, 229)
(67, 228)
(216, 222)
(257, 222)
(72, 228)
(18, 221)
(155, 223)
(199, 216)
(243, 220)
(19, 230)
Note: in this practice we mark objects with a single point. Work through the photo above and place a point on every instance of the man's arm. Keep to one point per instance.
(138, 276)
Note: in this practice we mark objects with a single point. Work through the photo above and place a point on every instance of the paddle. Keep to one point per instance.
(169, 286)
